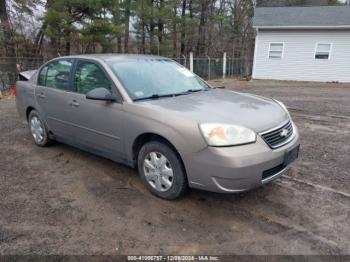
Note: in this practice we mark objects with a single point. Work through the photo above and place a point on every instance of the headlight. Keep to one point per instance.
(283, 107)
(226, 135)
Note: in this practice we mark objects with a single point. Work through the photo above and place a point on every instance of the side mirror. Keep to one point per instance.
(100, 93)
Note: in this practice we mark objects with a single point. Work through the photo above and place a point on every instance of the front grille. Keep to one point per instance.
(279, 136)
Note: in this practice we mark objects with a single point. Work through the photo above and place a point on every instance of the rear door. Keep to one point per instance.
(53, 96)
(97, 124)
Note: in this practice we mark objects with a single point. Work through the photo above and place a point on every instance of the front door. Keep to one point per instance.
(52, 96)
(97, 124)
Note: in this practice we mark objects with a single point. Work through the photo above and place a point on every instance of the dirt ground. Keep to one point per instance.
(59, 200)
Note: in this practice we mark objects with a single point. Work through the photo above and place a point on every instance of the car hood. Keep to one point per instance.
(223, 106)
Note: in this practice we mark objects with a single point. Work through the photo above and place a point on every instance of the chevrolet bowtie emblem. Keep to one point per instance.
(284, 132)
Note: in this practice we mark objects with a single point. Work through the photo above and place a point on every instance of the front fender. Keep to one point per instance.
(183, 134)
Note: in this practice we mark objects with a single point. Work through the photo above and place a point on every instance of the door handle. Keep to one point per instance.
(41, 95)
(74, 103)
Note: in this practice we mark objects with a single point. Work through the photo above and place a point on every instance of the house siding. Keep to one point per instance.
(298, 62)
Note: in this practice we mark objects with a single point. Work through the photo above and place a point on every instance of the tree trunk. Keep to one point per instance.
(5, 26)
(7, 30)
(210, 41)
(117, 23)
(127, 25)
(39, 40)
(143, 35)
(151, 28)
(190, 41)
(40, 35)
(160, 24)
(68, 46)
(142, 16)
(183, 27)
(201, 45)
(175, 31)
(236, 29)
(151, 36)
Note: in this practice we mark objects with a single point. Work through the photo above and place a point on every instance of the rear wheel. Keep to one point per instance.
(38, 129)
(161, 170)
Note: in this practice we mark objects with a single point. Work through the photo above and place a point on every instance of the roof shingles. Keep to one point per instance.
(289, 17)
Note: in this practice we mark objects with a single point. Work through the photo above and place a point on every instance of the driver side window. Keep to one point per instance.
(89, 76)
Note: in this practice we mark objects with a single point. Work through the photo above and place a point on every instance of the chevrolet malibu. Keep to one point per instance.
(153, 114)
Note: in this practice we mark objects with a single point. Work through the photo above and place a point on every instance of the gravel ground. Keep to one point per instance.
(59, 200)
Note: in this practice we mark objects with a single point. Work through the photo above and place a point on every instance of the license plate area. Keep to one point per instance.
(291, 156)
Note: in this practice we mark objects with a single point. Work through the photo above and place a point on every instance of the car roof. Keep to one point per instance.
(110, 57)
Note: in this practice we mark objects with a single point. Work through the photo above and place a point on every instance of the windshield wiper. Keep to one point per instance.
(194, 90)
(189, 91)
(154, 96)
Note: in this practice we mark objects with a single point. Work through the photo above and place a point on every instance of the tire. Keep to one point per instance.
(37, 127)
(160, 175)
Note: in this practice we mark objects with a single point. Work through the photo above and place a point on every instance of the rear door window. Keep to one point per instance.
(56, 75)
(42, 76)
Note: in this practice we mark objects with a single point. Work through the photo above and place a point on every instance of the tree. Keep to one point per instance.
(172, 27)
(6, 37)
(201, 44)
(183, 27)
(6, 30)
(68, 20)
(127, 25)
(118, 26)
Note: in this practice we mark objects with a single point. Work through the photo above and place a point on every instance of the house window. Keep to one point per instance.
(322, 51)
(276, 51)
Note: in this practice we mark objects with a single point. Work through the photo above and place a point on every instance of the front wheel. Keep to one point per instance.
(161, 170)
(38, 129)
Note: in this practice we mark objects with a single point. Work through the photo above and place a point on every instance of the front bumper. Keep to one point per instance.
(239, 168)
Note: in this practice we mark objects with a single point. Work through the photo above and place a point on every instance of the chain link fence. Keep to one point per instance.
(10, 66)
(206, 67)
(212, 68)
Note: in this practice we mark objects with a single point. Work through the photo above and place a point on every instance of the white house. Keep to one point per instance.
(302, 43)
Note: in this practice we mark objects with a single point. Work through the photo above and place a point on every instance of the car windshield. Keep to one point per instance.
(154, 78)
